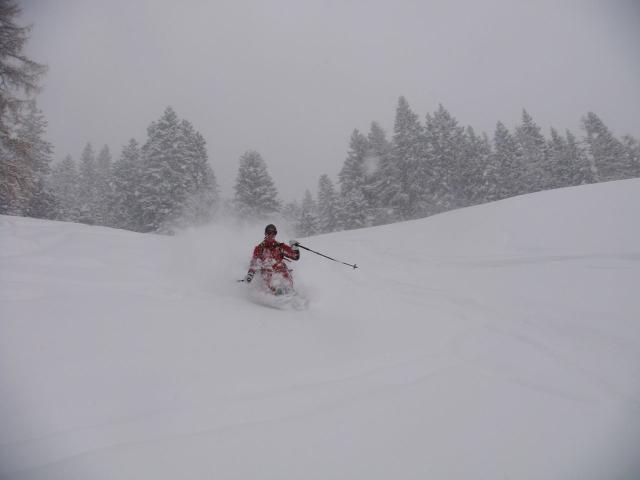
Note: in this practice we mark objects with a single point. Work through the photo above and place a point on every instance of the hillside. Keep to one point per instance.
(496, 342)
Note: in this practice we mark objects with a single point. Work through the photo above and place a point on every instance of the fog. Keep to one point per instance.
(292, 79)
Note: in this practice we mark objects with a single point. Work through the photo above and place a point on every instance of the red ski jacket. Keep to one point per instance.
(269, 255)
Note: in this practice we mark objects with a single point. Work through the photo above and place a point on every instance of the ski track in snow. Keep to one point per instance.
(475, 314)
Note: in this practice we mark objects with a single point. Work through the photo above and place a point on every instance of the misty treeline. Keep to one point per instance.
(436, 165)
(161, 185)
(427, 166)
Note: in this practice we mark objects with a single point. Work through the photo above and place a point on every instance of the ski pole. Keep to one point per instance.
(325, 256)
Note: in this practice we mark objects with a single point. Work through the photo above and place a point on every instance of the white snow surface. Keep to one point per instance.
(495, 342)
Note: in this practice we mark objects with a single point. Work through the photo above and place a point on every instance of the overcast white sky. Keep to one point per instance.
(292, 78)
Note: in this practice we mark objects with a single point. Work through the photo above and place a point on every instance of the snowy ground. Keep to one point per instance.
(495, 342)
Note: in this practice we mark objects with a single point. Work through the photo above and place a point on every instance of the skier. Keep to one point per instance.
(269, 257)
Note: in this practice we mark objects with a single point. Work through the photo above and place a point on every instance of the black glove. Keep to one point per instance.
(295, 246)
(249, 276)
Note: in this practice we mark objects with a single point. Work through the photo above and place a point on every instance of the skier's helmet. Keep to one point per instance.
(270, 229)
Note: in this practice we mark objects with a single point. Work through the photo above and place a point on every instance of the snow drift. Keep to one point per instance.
(499, 341)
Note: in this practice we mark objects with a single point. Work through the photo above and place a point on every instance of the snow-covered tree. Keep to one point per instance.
(534, 158)
(560, 164)
(394, 197)
(408, 194)
(125, 199)
(445, 143)
(632, 152)
(199, 181)
(390, 196)
(568, 164)
(327, 205)
(605, 150)
(103, 187)
(37, 153)
(20, 179)
(477, 152)
(25, 159)
(352, 174)
(379, 148)
(378, 155)
(177, 184)
(64, 185)
(582, 170)
(256, 195)
(353, 208)
(87, 187)
(159, 199)
(502, 177)
(308, 219)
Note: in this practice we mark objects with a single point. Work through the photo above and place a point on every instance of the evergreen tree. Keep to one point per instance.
(308, 220)
(193, 155)
(379, 147)
(26, 160)
(352, 174)
(327, 205)
(353, 208)
(64, 185)
(393, 198)
(159, 199)
(534, 156)
(377, 179)
(43, 203)
(178, 186)
(581, 170)
(255, 192)
(476, 155)
(632, 152)
(605, 150)
(559, 162)
(568, 165)
(37, 154)
(125, 199)
(390, 197)
(445, 142)
(199, 182)
(20, 179)
(502, 178)
(408, 195)
(103, 188)
(87, 188)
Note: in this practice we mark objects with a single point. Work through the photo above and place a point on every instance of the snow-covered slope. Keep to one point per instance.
(494, 342)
